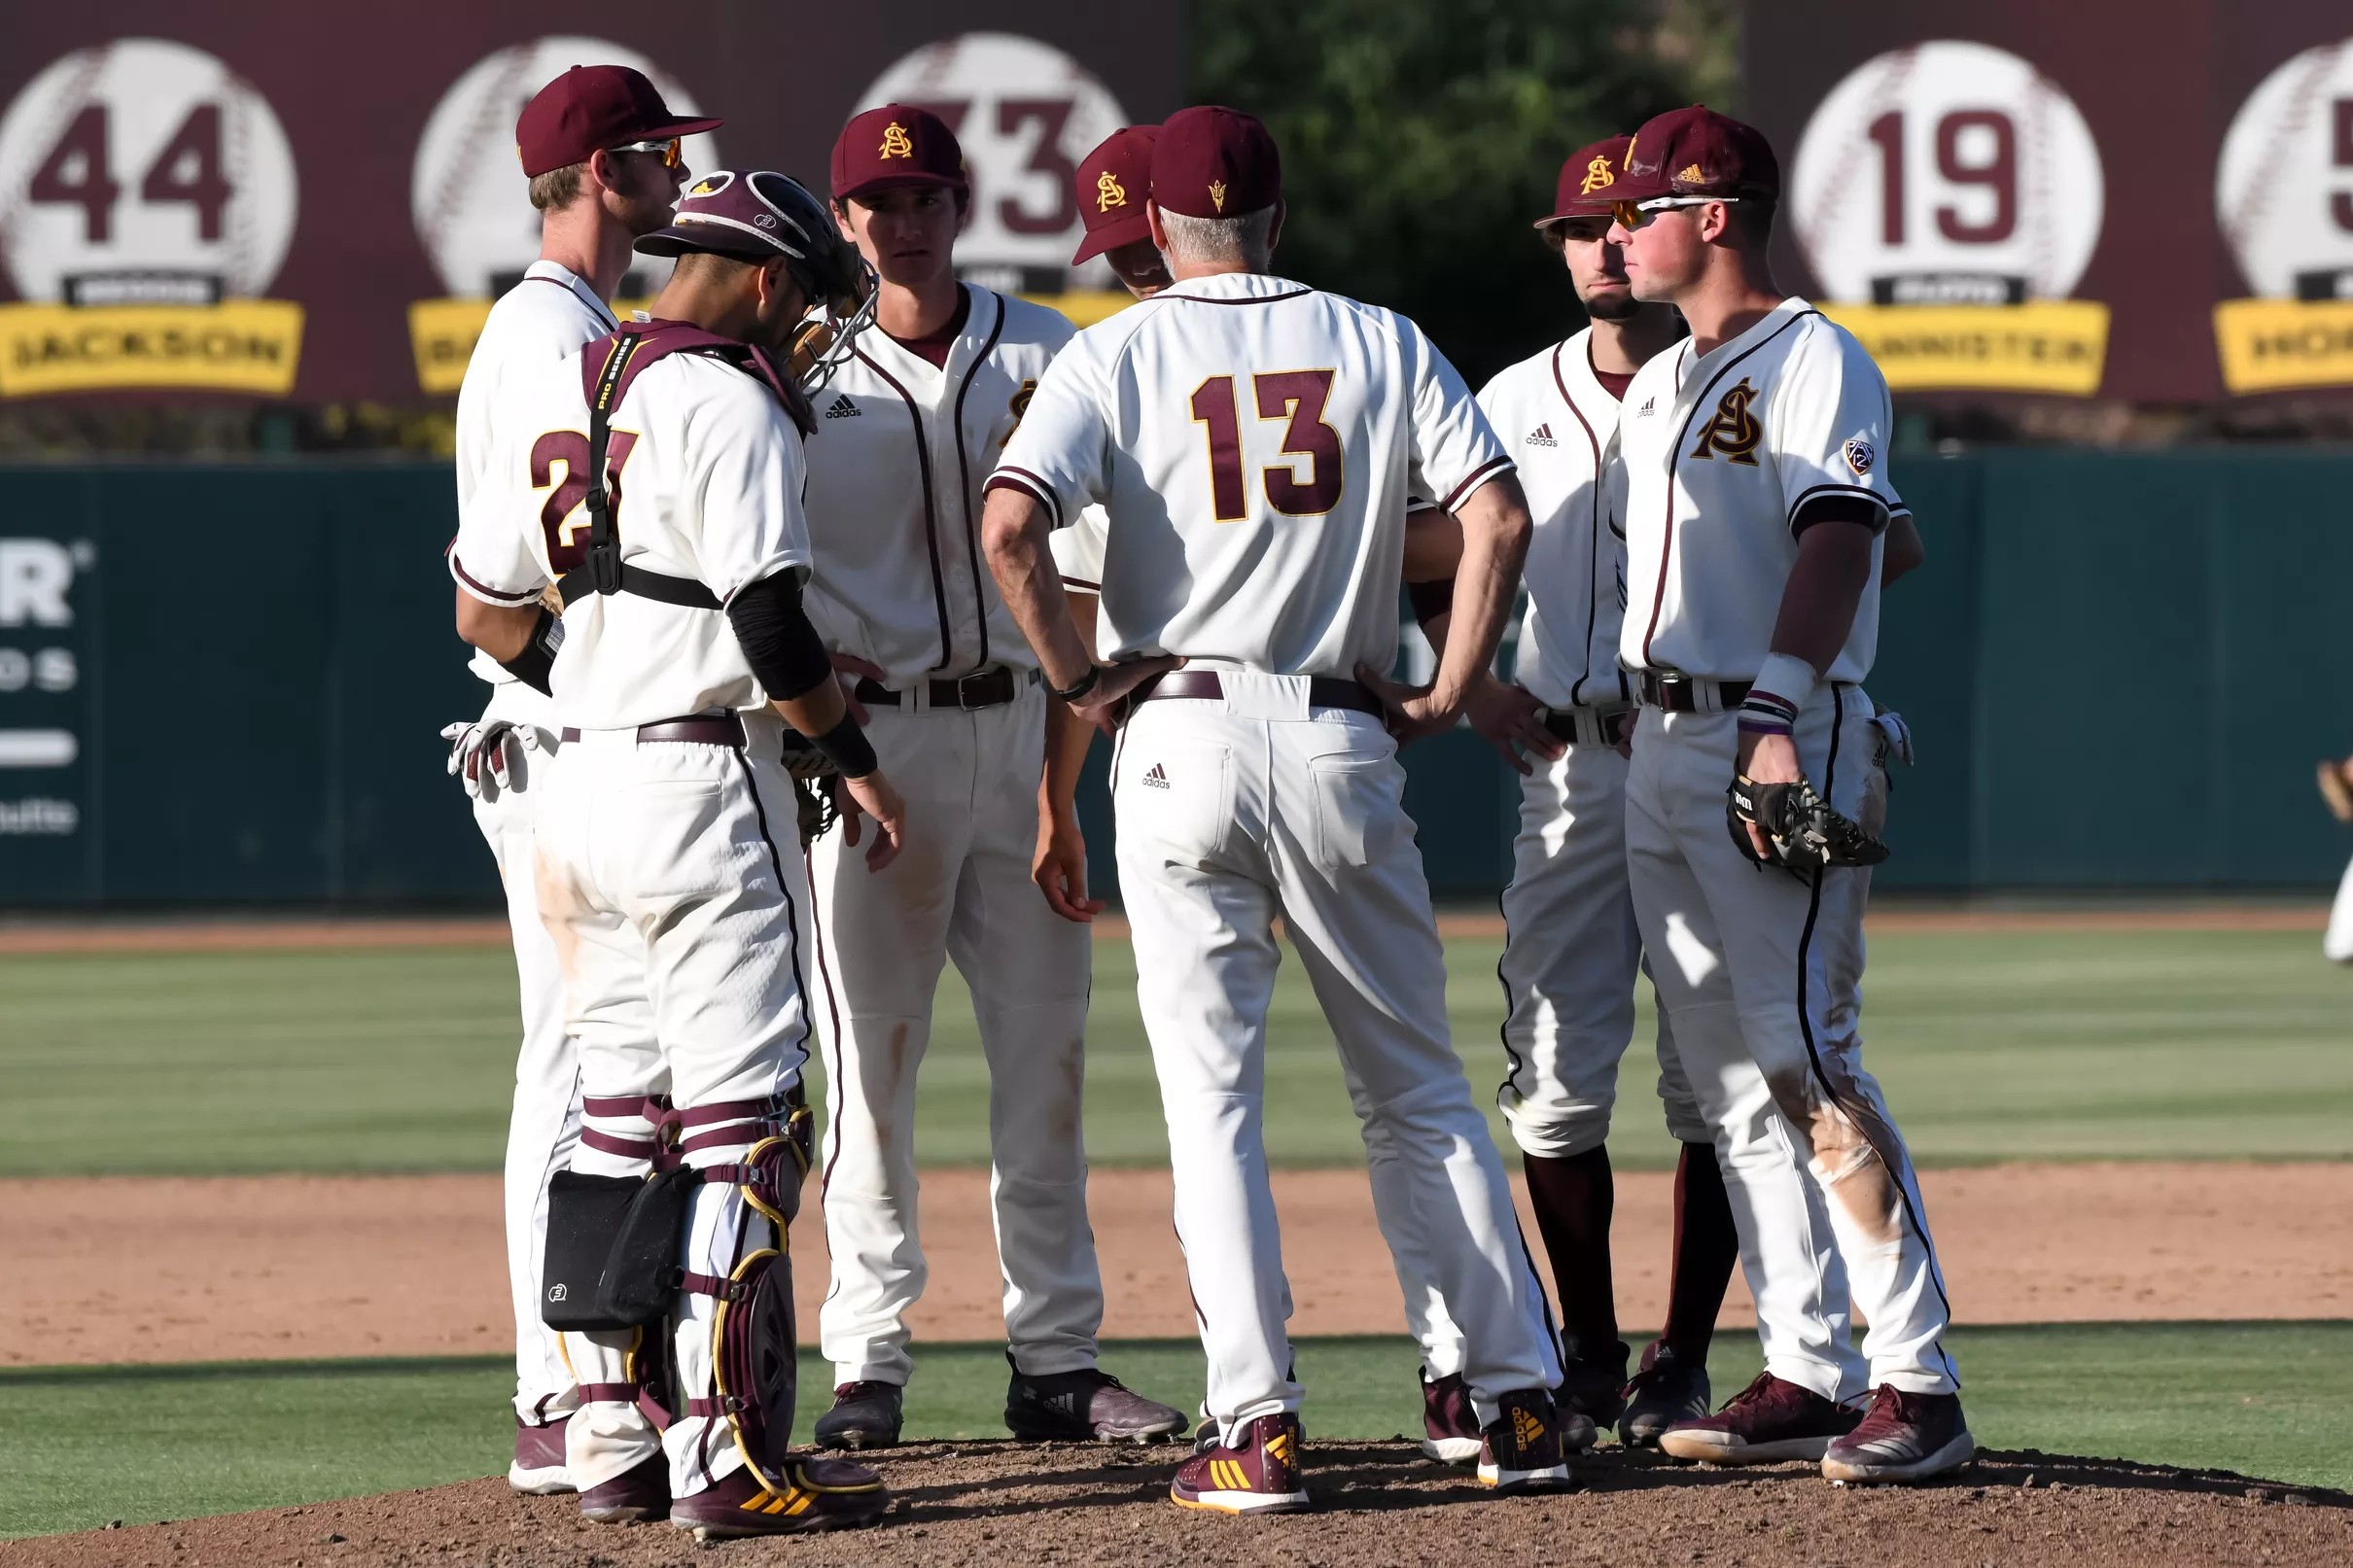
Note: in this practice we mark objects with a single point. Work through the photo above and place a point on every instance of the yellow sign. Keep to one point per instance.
(442, 334)
(2271, 345)
(239, 345)
(2044, 345)
(1084, 307)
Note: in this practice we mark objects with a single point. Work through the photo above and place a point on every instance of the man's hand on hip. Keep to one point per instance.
(874, 796)
(1512, 721)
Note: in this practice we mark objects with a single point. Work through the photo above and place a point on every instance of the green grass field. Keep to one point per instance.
(2040, 1045)
(2263, 1399)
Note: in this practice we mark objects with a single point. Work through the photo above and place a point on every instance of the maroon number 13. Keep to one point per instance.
(1295, 397)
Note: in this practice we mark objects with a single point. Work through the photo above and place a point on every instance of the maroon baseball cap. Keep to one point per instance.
(1113, 182)
(1214, 162)
(591, 109)
(1696, 151)
(1590, 180)
(897, 145)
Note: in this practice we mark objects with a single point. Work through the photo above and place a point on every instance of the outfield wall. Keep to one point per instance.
(222, 683)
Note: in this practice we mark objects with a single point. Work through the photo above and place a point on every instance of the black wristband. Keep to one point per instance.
(534, 666)
(847, 747)
(1085, 683)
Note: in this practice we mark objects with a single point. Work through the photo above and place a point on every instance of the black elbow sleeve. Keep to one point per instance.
(534, 666)
(779, 643)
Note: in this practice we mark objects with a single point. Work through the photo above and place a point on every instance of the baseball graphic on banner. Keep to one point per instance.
(143, 172)
(466, 193)
(2283, 187)
(1025, 114)
(1947, 173)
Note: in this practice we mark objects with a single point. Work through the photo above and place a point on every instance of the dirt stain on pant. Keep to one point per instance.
(1853, 1148)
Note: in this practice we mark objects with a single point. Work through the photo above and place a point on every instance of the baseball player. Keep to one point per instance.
(1756, 497)
(2336, 792)
(1572, 954)
(910, 427)
(655, 480)
(600, 150)
(1112, 185)
(1252, 442)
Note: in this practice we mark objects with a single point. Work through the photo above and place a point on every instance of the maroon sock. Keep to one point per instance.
(1573, 1197)
(1707, 1247)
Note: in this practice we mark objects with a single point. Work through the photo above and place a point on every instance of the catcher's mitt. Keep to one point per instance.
(813, 774)
(1801, 831)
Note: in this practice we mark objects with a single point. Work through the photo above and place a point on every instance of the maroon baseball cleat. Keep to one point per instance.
(1903, 1437)
(1450, 1426)
(1522, 1450)
(1767, 1422)
(1257, 1475)
(1087, 1406)
(815, 1494)
(636, 1495)
(539, 1468)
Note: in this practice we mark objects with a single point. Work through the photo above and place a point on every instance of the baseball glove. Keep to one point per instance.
(813, 774)
(2335, 790)
(1801, 830)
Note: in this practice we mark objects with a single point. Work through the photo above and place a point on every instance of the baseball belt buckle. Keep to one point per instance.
(1678, 692)
(964, 685)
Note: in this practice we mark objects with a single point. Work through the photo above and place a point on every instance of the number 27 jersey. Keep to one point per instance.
(1252, 442)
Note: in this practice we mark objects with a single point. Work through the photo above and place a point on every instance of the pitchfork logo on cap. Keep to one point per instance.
(1218, 194)
(711, 184)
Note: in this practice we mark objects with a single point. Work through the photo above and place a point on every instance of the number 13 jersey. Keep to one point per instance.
(1252, 442)
(707, 479)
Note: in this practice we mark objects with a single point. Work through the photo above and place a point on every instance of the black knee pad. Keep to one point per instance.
(614, 1244)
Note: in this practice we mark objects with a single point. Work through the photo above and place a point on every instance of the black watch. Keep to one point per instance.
(1085, 683)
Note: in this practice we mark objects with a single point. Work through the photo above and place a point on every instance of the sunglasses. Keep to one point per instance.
(671, 149)
(1633, 215)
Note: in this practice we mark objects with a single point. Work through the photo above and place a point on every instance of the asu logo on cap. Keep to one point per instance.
(895, 142)
(1598, 176)
(1218, 194)
(1108, 192)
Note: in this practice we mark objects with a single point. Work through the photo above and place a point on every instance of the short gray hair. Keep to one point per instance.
(1247, 239)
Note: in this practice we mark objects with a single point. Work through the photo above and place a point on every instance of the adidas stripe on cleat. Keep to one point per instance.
(1522, 1447)
(1258, 1474)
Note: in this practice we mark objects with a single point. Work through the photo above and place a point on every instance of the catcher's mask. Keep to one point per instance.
(758, 216)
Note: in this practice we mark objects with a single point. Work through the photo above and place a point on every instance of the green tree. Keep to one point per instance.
(1420, 141)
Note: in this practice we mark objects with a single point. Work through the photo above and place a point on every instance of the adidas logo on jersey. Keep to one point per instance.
(1649, 406)
(842, 408)
(1156, 778)
(1542, 436)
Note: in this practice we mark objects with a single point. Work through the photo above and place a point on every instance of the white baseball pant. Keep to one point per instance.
(1761, 971)
(961, 889)
(1571, 957)
(2337, 941)
(668, 879)
(545, 1122)
(1231, 812)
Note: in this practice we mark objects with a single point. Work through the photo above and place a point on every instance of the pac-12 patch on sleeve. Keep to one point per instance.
(1860, 456)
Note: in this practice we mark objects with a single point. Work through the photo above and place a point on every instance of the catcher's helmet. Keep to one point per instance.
(759, 216)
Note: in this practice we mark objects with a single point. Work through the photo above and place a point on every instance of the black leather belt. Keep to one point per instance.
(1322, 691)
(1673, 692)
(1582, 726)
(982, 689)
(697, 729)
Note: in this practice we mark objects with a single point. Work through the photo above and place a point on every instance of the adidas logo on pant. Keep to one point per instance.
(842, 408)
(1156, 778)
(1542, 436)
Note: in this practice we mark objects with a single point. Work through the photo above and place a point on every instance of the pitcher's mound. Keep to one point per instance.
(1003, 1504)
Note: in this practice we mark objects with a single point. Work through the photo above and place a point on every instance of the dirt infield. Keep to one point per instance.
(1000, 1503)
(199, 934)
(308, 1267)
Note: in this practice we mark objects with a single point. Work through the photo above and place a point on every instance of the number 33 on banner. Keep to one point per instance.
(147, 198)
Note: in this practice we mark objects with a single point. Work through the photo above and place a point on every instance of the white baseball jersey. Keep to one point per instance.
(1078, 552)
(1561, 424)
(549, 314)
(895, 475)
(708, 472)
(1720, 451)
(1252, 442)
